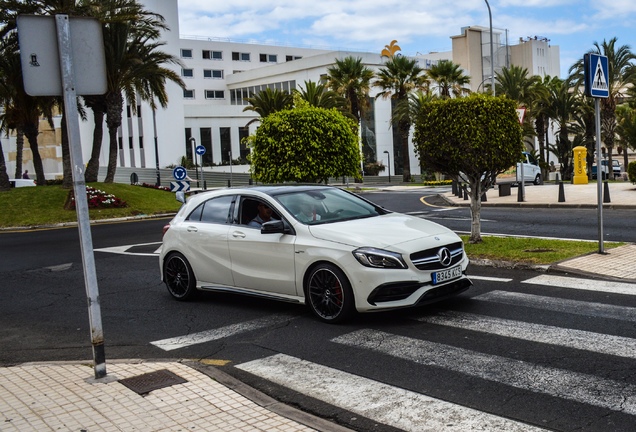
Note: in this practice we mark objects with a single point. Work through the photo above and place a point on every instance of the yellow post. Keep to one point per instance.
(580, 165)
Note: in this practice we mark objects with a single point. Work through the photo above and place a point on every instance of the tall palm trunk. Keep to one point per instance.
(98, 106)
(4, 177)
(19, 150)
(404, 129)
(67, 178)
(115, 103)
(31, 133)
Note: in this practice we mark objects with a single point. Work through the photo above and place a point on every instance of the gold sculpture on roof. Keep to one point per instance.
(390, 49)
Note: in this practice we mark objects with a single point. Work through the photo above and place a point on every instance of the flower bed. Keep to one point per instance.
(97, 199)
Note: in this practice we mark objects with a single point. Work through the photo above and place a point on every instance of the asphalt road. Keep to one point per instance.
(520, 347)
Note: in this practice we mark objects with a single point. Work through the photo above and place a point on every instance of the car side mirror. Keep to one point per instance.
(275, 227)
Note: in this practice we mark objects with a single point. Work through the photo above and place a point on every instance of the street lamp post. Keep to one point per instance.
(492, 55)
(194, 156)
(388, 164)
(154, 125)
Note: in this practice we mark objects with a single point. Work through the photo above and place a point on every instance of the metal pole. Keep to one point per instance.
(154, 125)
(230, 165)
(599, 176)
(492, 54)
(79, 189)
(388, 155)
(193, 140)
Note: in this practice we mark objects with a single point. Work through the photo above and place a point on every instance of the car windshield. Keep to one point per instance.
(327, 205)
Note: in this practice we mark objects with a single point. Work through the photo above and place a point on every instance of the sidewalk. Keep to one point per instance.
(191, 396)
(179, 396)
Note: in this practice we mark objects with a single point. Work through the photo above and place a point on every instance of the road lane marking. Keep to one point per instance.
(577, 307)
(123, 250)
(220, 333)
(570, 338)
(490, 279)
(389, 405)
(584, 284)
(560, 383)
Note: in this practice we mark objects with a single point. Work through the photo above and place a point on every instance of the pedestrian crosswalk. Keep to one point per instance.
(541, 377)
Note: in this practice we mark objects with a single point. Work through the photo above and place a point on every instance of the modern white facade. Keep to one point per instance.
(220, 75)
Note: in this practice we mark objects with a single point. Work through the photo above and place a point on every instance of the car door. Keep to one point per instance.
(206, 239)
(263, 262)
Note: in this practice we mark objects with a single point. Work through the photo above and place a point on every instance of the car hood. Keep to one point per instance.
(383, 231)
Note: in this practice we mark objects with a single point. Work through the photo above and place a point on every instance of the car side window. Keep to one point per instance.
(249, 210)
(215, 210)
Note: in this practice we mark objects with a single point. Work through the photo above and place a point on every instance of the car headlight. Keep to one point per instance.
(378, 258)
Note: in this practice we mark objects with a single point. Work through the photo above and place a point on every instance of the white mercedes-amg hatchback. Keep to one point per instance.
(316, 245)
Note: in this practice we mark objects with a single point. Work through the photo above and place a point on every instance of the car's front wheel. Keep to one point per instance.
(179, 277)
(329, 294)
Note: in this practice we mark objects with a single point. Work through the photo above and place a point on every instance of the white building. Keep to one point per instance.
(220, 75)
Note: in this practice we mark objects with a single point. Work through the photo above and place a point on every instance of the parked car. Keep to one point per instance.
(22, 182)
(531, 169)
(616, 167)
(325, 247)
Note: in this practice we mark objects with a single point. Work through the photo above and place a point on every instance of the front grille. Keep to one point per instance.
(429, 260)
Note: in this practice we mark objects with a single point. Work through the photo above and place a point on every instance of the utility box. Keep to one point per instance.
(580, 165)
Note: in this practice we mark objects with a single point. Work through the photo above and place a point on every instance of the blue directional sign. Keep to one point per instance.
(179, 186)
(596, 76)
(179, 173)
(200, 150)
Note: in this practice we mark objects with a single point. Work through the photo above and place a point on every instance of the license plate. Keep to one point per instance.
(446, 275)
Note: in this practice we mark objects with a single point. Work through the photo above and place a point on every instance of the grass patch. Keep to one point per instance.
(530, 250)
(44, 205)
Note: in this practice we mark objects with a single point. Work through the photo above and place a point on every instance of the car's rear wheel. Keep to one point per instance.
(537, 179)
(329, 294)
(179, 277)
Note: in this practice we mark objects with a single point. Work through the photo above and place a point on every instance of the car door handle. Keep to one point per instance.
(192, 229)
(238, 234)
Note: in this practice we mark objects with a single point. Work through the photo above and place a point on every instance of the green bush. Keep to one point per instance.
(631, 172)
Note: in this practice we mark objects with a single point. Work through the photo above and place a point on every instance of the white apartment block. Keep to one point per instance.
(220, 75)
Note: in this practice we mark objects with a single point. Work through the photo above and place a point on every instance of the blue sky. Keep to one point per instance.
(419, 26)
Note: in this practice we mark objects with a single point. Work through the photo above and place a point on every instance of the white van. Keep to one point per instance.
(531, 169)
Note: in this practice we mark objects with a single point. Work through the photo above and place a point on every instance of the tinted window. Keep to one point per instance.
(215, 210)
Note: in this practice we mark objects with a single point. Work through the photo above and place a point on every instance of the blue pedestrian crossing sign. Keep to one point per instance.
(177, 186)
(596, 76)
(179, 173)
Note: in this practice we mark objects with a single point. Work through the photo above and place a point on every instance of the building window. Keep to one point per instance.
(215, 94)
(188, 94)
(186, 53)
(290, 58)
(187, 73)
(213, 73)
(212, 55)
(226, 144)
(268, 58)
(239, 56)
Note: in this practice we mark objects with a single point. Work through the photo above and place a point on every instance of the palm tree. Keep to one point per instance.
(564, 103)
(319, 95)
(268, 101)
(450, 80)
(399, 77)
(621, 71)
(351, 79)
(626, 130)
(22, 112)
(135, 65)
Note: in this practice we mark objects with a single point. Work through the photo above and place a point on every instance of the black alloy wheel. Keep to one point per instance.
(179, 277)
(329, 294)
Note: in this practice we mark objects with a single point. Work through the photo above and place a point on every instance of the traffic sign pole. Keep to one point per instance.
(596, 70)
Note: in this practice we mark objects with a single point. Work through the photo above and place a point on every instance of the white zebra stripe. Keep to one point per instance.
(578, 339)
(575, 386)
(389, 405)
(577, 307)
(584, 284)
(220, 333)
